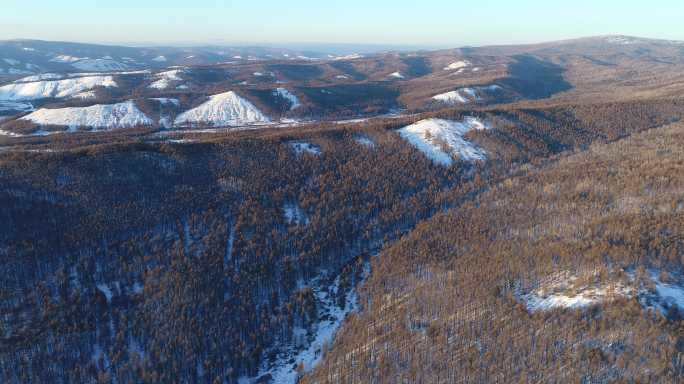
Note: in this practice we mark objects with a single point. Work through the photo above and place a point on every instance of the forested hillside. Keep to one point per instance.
(217, 257)
(599, 232)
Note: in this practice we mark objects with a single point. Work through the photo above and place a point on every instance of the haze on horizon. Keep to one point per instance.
(433, 23)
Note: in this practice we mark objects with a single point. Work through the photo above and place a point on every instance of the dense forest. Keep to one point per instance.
(135, 260)
(444, 304)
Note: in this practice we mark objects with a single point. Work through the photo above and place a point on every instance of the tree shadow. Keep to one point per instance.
(534, 78)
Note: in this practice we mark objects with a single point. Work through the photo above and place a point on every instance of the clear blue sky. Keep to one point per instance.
(426, 22)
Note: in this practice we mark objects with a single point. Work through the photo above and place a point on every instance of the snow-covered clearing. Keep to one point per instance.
(302, 147)
(294, 214)
(66, 59)
(442, 140)
(224, 109)
(99, 65)
(365, 141)
(457, 65)
(289, 96)
(566, 290)
(465, 95)
(54, 88)
(165, 78)
(109, 116)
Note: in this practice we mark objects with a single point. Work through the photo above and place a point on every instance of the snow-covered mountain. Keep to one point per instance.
(224, 109)
(54, 88)
(108, 116)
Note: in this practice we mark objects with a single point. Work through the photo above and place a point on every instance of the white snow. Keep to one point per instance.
(343, 77)
(258, 74)
(621, 40)
(301, 147)
(365, 141)
(182, 86)
(67, 59)
(465, 95)
(294, 214)
(44, 76)
(224, 109)
(441, 140)
(349, 57)
(85, 95)
(104, 288)
(165, 78)
(11, 61)
(99, 65)
(159, 59)
(287, 95)
(54, 88)
(109, 116)
(452, 97)
(396, 75)
(457, 65)
(561, 290)
(167, 100)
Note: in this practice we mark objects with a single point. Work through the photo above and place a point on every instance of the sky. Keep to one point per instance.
(427, 23)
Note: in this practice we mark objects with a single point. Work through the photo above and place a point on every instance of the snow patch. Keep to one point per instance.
(166, 100)
(302, 147)
(465, 95)
(441, 140)
(294, 214)
(99, 65)
(54, 88)
(396, 75)
(121, 115)
(12, 61)
(287, 95)
(563, 290)
(159, 59)
(365, 141)
(224, 109)
(67, 59)
(457, 65)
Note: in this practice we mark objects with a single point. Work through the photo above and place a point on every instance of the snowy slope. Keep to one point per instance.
(396, 75)
(224, 109)
(440, 140)
(165, 78)
(67, 59)
(54, 88)
(289, 96)
(457, 65)
(108, 116)
(465, 95)
(99, 65)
